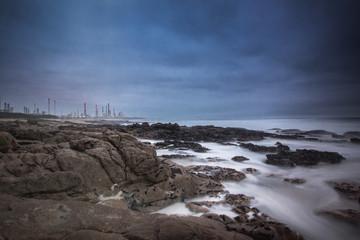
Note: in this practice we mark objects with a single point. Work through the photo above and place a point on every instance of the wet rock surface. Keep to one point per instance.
(250, 221)
(53, 175)
(81, 162)
(295, 180)
(239, 158)
(195, 134)
(50, 219)
(217, 173)
(348, 215)
(303, 157)
(179, 145)
(251, 171)
(264, 149)
(176, 156)
(350, 190)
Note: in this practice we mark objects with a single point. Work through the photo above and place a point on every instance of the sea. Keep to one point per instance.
(299, 206)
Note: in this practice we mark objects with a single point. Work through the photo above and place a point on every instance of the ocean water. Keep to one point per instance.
(296, 205)
(338, 126)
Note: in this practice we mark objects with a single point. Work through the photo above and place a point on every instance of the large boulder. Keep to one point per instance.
(91, 160)
(180, 185)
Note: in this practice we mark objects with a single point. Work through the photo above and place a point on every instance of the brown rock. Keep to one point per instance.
(251, 171)
(196, 208)
(181, 145)
(239, 158)
(295, 180)
(94, 235)
(48, 219)
(348, 215)
(179, 186)
(351, 190)
(263, 149)
(7, 142)
(172, 227)
(238, 199)
(302, 157)
(217, 173)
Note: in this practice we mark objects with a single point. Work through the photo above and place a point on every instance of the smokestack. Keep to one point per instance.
(48, 106)
(85, 109)
(96, 111)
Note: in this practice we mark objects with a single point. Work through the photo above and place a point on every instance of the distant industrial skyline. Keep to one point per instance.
(178, 59)
(83, 111)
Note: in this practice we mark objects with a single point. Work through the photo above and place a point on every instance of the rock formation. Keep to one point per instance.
(303, 157)
(57, 181)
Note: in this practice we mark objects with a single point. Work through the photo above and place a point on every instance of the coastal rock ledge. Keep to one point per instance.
(85, 181)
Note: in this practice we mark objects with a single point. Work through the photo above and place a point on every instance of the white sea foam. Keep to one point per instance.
(114, 197)
(295, 205)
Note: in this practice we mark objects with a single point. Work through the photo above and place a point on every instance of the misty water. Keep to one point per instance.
(295, 205)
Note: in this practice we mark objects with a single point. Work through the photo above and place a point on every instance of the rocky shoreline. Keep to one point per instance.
(65, 180)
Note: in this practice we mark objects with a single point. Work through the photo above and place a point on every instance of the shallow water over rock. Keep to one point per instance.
(300, 206)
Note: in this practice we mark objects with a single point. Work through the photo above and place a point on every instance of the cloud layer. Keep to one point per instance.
(183, 59)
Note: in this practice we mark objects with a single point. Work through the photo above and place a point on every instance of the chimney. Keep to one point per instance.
(48, 106)
(85, 109)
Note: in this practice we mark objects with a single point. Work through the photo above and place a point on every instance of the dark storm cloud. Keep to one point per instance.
(190, 59)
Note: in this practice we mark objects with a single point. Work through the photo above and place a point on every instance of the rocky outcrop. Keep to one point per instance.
(193, 134)
(180, 185)
(55, 176)
(176, 156)
(250, 221)
(56, 163)
(264, 149)
(348, 215)
(7, 142)
(295, 180)
(49, 219)
(179, 145)
(303, 157)
(84, 166)
(350, 190)
(217, 173)
(239, 158)
(164, 227)
(251, 171)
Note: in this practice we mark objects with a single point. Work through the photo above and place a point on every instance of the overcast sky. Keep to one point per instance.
(187, 59)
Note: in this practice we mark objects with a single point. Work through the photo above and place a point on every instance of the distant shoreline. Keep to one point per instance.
(26, 116)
